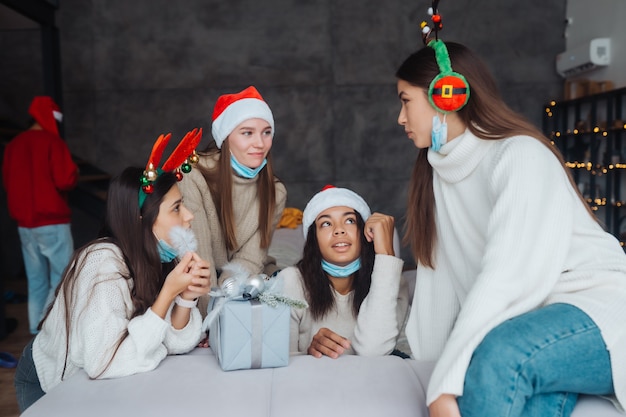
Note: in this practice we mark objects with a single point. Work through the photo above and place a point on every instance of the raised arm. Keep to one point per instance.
(378, 325)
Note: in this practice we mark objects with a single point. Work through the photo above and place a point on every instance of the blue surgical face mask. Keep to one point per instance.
(166, 252)
(341, 271)
(244, 171)
(439, 133)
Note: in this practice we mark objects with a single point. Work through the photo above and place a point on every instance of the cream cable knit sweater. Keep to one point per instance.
(101, 315)
(375, 331)
(206, 226)
(512, 236)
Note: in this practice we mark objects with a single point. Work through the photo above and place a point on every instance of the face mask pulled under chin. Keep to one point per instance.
(244, 171)
(341, 271)
(166, 252)
(183, 239)
(439, 133)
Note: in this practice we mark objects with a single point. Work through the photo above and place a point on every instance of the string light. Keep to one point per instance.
(582, 131)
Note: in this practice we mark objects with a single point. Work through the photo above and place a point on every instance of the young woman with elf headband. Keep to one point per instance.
(520, 295)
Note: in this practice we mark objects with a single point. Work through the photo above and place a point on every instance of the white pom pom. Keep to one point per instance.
(183, 240)
(425, 30)
(430, 11)
(236, 269)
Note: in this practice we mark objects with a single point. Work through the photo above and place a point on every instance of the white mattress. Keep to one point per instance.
(194, 384)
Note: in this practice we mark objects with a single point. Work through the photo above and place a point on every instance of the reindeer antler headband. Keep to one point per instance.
(179, 161)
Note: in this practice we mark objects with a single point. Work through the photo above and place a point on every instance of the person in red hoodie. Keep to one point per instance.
(37, 173)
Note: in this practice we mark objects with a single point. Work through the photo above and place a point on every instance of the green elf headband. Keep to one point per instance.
(449, 91)
(179, 161)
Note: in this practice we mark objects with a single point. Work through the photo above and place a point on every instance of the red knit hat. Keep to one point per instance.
(46, 112)
(232, 109)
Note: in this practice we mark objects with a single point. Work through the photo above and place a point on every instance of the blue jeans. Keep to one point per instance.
(47, 251)
(27, 385)
(536, 364)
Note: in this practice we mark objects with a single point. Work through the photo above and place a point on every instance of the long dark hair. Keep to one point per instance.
(318, 288)
(130, 228)
(135, 238)
(220, 183)
(486, 115)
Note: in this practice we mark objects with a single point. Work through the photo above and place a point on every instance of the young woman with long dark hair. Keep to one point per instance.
(520, 294)
(127, 299)
(350, 277)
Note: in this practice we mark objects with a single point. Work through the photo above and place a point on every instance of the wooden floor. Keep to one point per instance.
(13, 343)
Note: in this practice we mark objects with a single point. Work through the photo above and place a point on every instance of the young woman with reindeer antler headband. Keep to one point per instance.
(126, 299)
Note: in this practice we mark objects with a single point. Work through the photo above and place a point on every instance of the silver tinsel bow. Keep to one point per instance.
(241, 285)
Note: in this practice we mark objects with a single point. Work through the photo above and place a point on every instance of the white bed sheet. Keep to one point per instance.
(194, 384)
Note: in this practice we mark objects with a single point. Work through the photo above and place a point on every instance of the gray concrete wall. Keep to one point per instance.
(135, 69)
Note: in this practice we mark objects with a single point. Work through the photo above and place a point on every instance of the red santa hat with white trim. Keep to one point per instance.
(331, 196)
(46, 112)
(233, 109)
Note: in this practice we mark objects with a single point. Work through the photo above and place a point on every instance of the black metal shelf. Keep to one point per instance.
(590, 132)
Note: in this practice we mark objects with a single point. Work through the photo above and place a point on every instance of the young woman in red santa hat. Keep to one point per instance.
(235, 197)
(350, 277)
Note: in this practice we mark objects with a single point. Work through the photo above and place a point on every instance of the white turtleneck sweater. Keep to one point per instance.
(512, 236)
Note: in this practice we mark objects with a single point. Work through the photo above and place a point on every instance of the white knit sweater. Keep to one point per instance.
(512, 236)
(101, 314)
(375, 331)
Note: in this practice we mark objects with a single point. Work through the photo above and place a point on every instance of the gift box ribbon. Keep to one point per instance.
(256, 339)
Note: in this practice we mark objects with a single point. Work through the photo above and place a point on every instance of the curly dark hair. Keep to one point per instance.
(318, 288)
